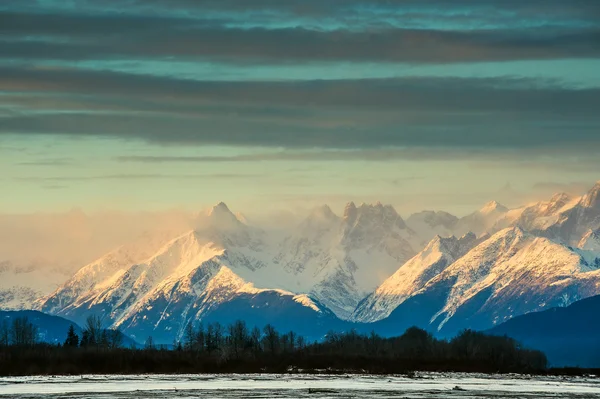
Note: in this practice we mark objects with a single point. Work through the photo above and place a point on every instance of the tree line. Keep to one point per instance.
(237, 347)
(21, 332)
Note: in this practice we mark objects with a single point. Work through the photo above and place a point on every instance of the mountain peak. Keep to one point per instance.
(321, 216)
(512, 234)
(493, 206)
(370, 216)
(221, 216)
(592, 198)
(220, 207)
(322, 212)
(560, 197)
(350, 211)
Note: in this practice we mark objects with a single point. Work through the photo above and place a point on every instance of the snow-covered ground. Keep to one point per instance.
(424, 385)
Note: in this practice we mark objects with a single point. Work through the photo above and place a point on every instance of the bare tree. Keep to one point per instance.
(23, 333)
(149, 345)
(271, 339)
(4, 333)
(115, 338)
(93, 327)
(238, 337)
(188, 336)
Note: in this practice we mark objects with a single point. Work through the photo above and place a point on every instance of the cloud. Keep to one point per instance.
(136, 176)
(335, 114)
(572, 159)
(47, 162)
(55, 187)
(71, 36)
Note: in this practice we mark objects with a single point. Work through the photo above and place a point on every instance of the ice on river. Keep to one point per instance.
(423, 385)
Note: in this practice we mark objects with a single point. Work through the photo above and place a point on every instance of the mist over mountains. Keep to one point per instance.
(367, 268)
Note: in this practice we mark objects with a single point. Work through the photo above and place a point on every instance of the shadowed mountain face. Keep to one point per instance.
(51, 329)
(568, 335)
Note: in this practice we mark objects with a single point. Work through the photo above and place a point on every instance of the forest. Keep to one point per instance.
(216, 348)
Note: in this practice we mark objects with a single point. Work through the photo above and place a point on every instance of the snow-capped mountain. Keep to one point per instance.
(428, 224)
(412, 276)
(21, 285)
(563, 218)
(509, 274)
(327, 263)
(41, 251)
(333, 258)
(367, 265)
(481, 221)
(185, 280)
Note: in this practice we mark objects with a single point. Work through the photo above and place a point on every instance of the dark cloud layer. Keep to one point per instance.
(92, 37)
(38, 97)
(329, 114)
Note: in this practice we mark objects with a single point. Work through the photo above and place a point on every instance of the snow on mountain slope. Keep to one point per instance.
(21, 285)
(182, 282)
(412, 276)
(481, 221)
(591, 241)
(510, 274)
(327, 263)
(542, 215)
(563, 218)
(331, 263)
(333, 258)
(164, 312)
(104, 271)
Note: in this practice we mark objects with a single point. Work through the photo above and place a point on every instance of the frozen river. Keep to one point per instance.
(424, 385)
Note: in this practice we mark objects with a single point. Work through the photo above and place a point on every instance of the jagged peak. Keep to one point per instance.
(435, 241)
(321, 216)
(493, 206)
(590, 240)
(561, 197)
(469, 236)
(592, 198)
(438, 242)
(350, 210)
(510, 234)
(378, 211)
(434, 218)
(219, 216)
(221, 207)
(376, 207)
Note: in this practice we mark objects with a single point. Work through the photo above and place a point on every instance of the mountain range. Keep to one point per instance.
(366, 269)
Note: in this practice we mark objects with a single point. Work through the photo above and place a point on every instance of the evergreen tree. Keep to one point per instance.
(72, 338)
(85, 339)
(93, 326)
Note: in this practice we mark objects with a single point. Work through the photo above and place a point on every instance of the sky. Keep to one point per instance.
(272, 105)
